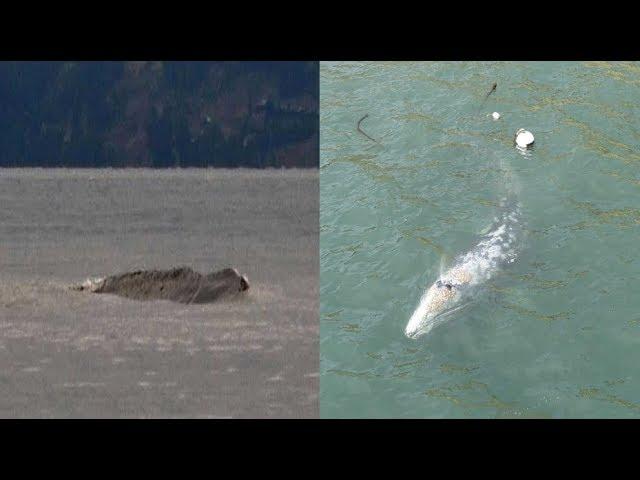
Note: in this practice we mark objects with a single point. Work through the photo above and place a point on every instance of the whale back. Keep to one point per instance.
(181, 284)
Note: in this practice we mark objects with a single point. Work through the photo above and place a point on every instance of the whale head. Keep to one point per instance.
(439, 298)
(443, 297)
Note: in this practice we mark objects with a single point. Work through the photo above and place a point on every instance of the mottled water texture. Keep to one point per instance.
(67, 353)
(555, 335)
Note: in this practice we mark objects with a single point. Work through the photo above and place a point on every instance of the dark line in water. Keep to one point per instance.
(493, 89)
(360, 130)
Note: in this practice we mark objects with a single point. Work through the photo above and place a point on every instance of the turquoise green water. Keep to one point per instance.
(554, 335)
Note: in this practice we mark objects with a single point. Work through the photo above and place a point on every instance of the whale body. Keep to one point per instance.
(180, 284)
(458, 285)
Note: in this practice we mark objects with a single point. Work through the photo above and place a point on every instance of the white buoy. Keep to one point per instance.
(495, 115)
(524, 138)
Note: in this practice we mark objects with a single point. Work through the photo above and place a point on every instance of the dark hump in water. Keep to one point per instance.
(180, 284)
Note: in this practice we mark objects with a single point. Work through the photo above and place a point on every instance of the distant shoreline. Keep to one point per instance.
(61, 167)
(86, 173)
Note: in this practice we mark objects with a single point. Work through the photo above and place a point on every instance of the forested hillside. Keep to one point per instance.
(159, 114)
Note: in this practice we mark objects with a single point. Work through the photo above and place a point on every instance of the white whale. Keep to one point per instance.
(457, 286)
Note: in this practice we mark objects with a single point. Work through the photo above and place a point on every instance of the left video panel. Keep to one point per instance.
(159, 239)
